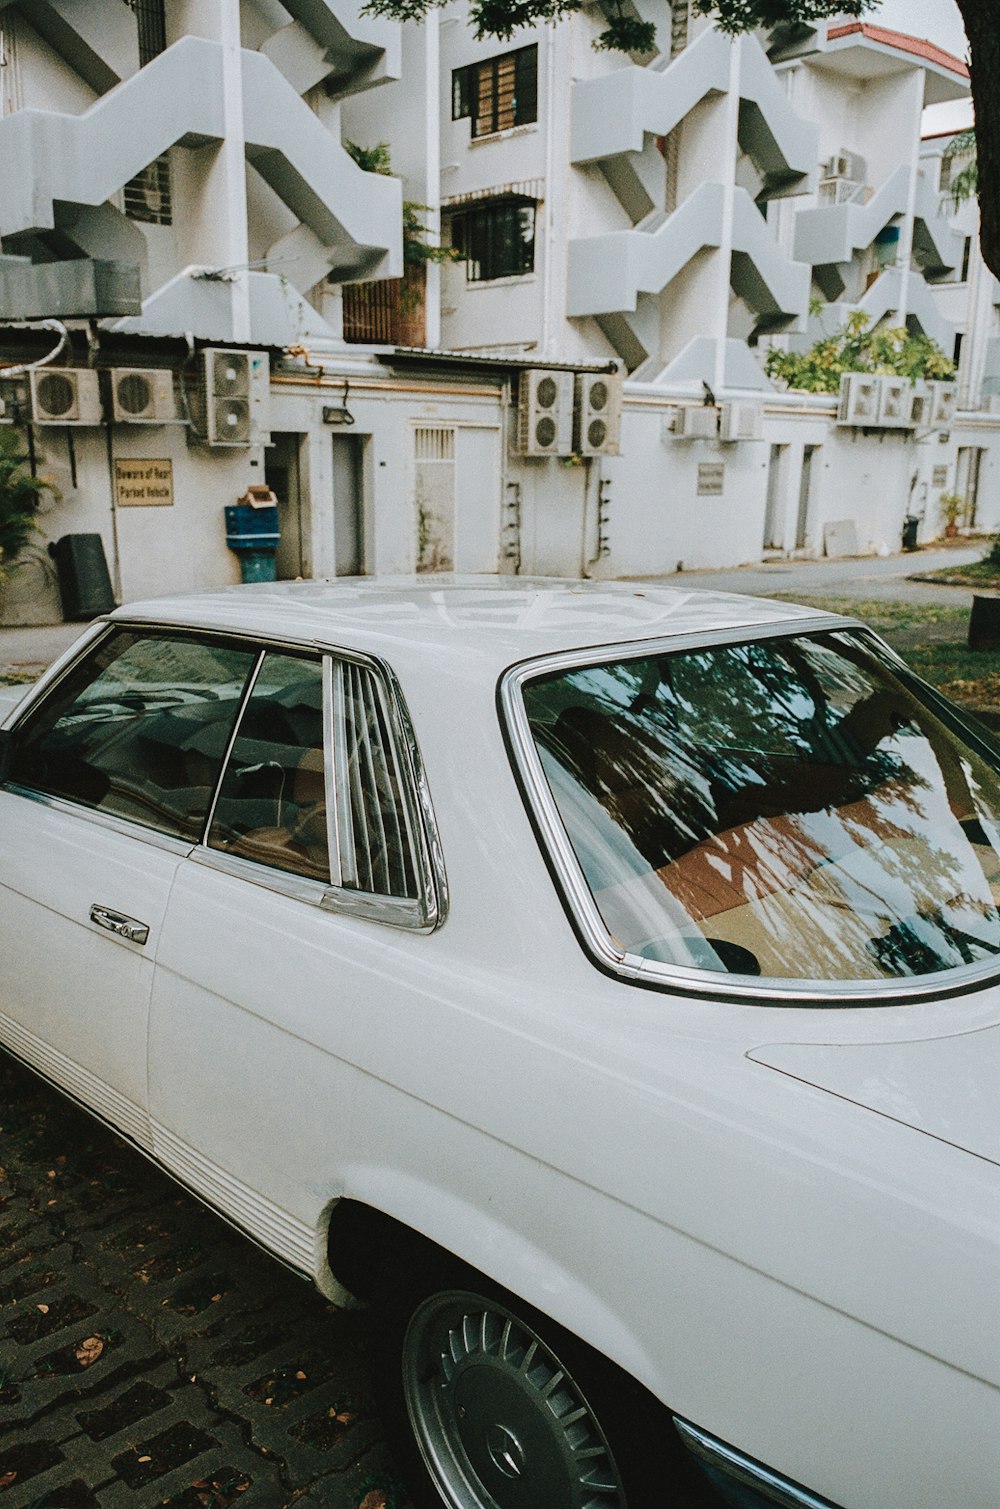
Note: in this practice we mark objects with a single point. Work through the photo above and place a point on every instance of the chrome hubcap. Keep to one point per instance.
(500, 1422)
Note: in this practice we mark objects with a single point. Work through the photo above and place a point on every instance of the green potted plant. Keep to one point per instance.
(951, 506)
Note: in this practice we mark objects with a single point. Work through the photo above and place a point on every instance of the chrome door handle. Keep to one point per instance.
(121, 926)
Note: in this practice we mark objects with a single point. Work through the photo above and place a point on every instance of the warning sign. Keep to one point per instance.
(144, 484)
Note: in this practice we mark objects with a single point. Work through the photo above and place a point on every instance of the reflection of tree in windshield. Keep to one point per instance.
(794, 798)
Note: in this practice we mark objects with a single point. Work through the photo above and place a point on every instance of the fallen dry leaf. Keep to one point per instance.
(6, 1478)
(89, 1350)
(300, 1374)
(42, 1309)
(374, 1500)
(145, 1459)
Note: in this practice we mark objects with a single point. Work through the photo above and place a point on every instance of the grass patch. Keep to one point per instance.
(930, 639)
(975, 574)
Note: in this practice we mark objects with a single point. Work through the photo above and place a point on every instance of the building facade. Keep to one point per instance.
(185, 194)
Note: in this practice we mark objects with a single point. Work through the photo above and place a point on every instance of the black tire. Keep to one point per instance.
(489, 1405)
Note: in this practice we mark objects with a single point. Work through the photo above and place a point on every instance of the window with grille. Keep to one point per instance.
(147, 196)
(374, 827)
(497, 93)
(496, 238)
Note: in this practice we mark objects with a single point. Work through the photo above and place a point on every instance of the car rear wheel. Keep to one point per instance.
(490, 1406)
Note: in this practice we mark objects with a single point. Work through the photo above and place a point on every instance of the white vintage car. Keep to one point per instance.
(602, 979)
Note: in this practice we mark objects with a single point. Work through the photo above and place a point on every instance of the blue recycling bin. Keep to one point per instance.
(253, 534)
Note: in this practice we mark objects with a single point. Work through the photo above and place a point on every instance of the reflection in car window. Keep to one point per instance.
(790, 808)
(138, 729)
(272, 802)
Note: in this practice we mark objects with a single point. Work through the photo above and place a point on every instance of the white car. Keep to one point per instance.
(602, 979)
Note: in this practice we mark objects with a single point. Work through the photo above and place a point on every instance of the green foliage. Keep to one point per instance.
(857, 348)
(965, 183)
(625, 32)
(20, 494)
(417, 250)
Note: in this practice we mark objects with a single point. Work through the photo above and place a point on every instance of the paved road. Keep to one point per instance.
(864, 579)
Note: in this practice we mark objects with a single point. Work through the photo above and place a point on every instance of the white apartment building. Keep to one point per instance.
(629, 235)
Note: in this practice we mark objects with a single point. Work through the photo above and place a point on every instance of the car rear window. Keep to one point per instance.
(794, 809)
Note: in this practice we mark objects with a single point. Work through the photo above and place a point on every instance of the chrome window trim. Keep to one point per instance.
(248, 687)
(113, 823)
(284, 882)
(329, 775)
(397, 911)
(571, 882)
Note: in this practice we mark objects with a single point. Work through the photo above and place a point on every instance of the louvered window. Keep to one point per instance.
(497, 93)
(374, 825)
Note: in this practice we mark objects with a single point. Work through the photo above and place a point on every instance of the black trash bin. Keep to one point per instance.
(910, 526)
(82, 570)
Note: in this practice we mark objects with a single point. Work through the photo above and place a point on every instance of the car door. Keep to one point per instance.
(268, 961)
(109, 779)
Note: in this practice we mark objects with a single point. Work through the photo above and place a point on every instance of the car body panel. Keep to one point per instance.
(75, 997)
(696, 1185)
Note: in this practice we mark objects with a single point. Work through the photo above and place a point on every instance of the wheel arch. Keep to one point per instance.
(417, 1228)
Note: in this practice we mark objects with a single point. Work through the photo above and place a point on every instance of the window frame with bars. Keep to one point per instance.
(479, 227)
(497, 94)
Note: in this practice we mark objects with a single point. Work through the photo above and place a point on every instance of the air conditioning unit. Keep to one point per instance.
(236, 392)
(860, 396)
(65, 395)
(695, 422)
(544, 413)
(844, 164)
(943, 402)
(140, 395)
(597, 416)
(741, 420)
(895, 410)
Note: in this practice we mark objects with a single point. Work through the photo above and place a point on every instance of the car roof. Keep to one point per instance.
(497, 620)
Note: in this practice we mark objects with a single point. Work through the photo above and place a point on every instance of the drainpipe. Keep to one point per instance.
(906, 239)
(235, 172)
(725, 254)
(550, 198)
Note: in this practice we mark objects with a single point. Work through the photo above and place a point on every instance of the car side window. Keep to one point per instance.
(137, 729)
(272, 802)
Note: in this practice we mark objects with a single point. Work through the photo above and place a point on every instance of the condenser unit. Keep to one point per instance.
(860, 395)
(65, 395)
(741, 421)
(544, 413)
(696, 422)
(895, 409)
(597, 416)
(142, 396)
(236, 390)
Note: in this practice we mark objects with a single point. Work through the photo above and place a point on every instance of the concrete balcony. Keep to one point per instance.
(86, 34)
(49, 160)
(329, 42)
(613, 116)
(883, 301)
(832, 233)
(608, 273)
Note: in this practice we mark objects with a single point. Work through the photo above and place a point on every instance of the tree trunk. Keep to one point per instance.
(983, 32)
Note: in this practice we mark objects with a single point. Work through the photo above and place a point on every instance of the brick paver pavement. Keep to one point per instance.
(148, 1354)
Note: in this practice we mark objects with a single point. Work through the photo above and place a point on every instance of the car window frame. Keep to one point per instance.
(424, 913)
(571, 884)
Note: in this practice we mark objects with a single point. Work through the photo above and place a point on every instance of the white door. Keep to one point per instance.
(110, 780)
